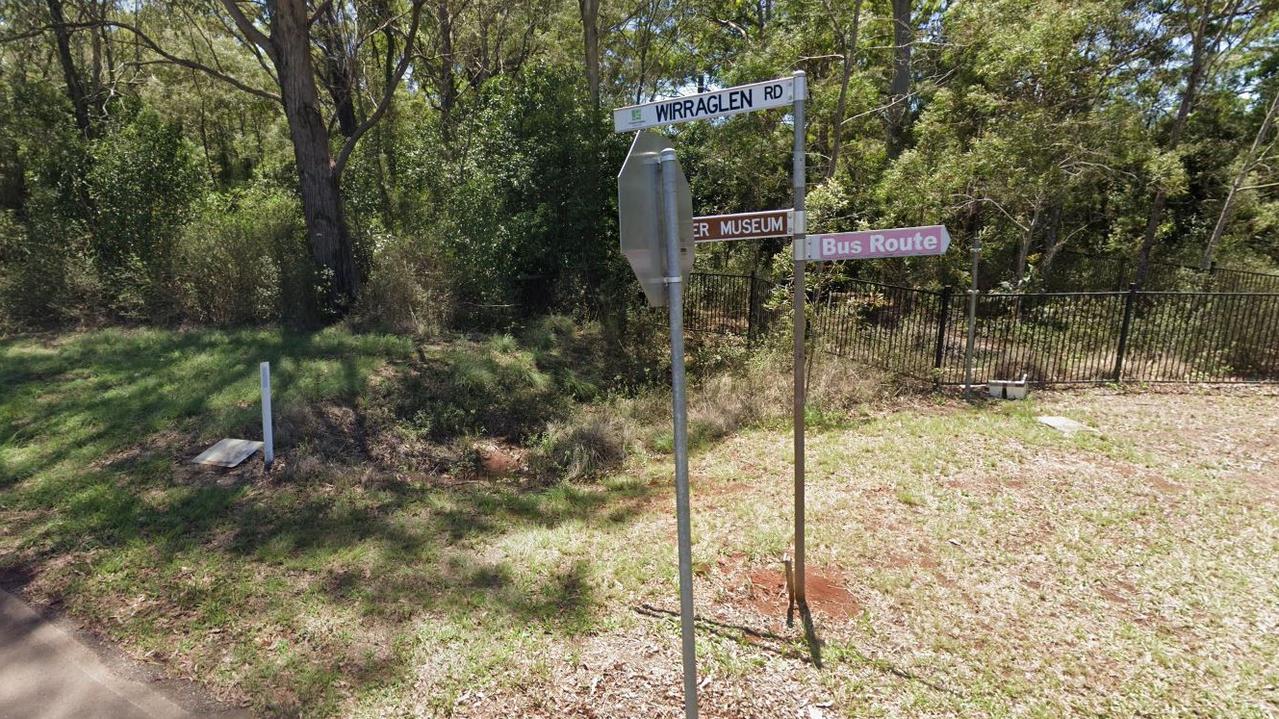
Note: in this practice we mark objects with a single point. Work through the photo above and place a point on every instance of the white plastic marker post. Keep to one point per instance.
(268, 439)
(798, 178)
(675, 304)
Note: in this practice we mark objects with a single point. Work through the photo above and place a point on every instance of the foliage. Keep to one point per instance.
(241, 259)
(483, 193)
(531, 206)
(142, 185)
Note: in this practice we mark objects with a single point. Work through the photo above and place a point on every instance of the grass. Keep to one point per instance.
(986, 565)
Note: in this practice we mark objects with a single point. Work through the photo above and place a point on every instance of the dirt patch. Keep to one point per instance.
(763, 591)
(496, 460)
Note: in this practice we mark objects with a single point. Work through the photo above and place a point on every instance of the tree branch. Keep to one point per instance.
(247, 27)
(388, 93)
(168, 56)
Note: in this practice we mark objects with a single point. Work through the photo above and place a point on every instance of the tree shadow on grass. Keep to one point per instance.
(389, 550)
(102, 392)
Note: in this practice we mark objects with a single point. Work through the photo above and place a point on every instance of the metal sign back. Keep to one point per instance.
(640, 209)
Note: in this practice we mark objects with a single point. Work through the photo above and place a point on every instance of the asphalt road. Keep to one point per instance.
(47, 671)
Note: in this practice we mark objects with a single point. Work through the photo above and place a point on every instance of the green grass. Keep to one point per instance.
(997, 568)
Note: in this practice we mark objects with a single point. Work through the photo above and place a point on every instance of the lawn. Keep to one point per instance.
(965, 560)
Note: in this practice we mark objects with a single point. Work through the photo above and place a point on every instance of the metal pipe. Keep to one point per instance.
(972, 321)
(675, 303)
(798, 178)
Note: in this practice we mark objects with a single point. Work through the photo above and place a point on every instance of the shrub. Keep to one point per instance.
(243, 259)
(143, 182)
(492, 388)
(406, 291)
(584, 446)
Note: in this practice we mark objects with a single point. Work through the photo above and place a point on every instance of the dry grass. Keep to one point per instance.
(1000, 569)
(972, 562)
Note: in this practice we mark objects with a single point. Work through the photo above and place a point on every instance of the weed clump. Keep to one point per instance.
(585, 446)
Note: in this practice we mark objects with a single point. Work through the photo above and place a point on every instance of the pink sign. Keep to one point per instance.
(874, 244)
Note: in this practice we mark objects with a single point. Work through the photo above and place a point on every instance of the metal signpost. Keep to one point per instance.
(658, 233)
(655, 211)
(638, 209)
(799, 175)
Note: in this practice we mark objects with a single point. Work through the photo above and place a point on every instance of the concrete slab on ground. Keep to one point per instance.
(1065, 425)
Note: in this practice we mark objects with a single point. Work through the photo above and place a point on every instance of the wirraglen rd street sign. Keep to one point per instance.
(720, 103)
(875, 244)
(744, 226)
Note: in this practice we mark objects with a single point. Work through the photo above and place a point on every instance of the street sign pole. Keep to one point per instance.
(798, 172)
(675, 303)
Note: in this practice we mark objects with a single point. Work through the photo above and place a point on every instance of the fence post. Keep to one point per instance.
(943, 314)
(750, 313)
(1129, 300)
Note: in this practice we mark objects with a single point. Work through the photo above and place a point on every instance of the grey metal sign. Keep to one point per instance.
(640, 213)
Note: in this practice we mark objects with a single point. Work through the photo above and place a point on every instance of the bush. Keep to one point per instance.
(492, 388)
(244, 259)
(406, 291)
(584, 446)
(144, 180)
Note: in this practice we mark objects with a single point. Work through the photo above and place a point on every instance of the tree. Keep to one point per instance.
(846, 43)
(590, 12)
(1207, 28)
(282, 33)
(1256, 153)
(287, 41)
(899, 88)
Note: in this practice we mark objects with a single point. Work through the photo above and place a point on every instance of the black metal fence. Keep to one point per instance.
(1075, 270)
(726, 304)
(1057, 337)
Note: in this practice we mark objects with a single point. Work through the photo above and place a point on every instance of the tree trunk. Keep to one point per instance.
(899, 88)
(331, 246)
(848, 49)
(75, 84)
(1052, 243)
(1201, 51)
(446, 79)
(590, 10)
(1249, 162)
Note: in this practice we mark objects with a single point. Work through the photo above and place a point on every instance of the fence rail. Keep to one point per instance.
(1055, 337)
(1074, 268)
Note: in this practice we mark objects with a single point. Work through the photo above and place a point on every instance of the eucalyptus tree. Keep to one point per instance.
(299, 46)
